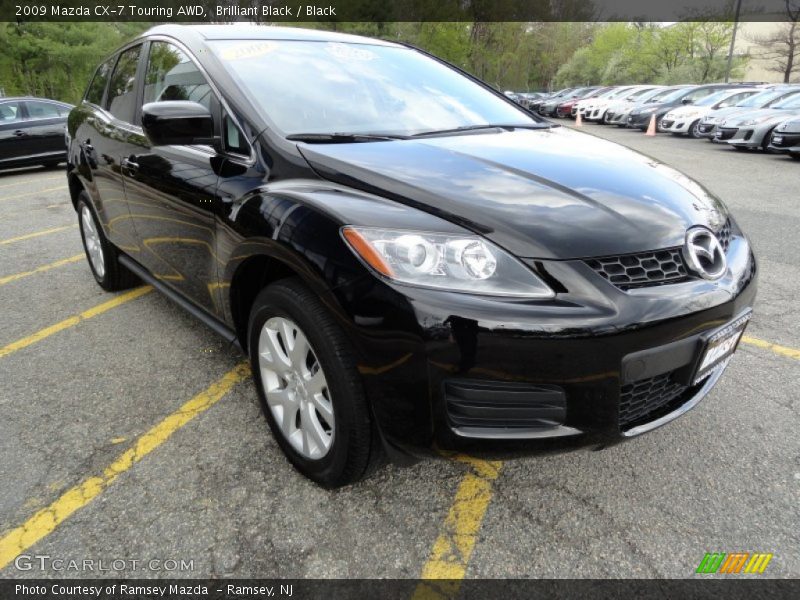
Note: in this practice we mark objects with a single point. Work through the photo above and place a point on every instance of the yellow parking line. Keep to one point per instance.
(48, 519)
(449, 557)
(72, 321)
(42, 269)
(35, 234)
(26, 194)
(29, 181)
(777, 349)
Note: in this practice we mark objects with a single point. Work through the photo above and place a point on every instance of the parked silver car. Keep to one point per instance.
(752, 129)
(786, 138)
(709, 124)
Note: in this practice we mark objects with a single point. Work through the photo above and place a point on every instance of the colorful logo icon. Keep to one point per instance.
(735, 562)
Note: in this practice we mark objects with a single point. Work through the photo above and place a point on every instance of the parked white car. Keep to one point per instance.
(596, 111)
(623, 105)
(686, 119)
(585, 107)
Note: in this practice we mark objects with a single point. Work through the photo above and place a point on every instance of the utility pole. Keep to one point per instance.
(733, 40)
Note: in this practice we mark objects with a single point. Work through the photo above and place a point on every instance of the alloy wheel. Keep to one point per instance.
(91, 239)
(295, 387)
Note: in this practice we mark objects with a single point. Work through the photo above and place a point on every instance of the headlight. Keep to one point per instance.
(456, 263)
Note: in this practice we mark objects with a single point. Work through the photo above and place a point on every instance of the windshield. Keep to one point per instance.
(619, 92)
(637, 94)
(675, 95)
(657, 95)
(713, 98)
(760, 100)
(328, 88)
(790, 102)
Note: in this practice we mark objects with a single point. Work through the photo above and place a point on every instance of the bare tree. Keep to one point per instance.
(783, 46)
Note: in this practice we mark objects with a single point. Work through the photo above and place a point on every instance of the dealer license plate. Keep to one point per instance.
(721, 345)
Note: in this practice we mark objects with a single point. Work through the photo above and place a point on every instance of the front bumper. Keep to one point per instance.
(745, 137)
(707, 130)
(618, 118)
(450, 369)
(640, 121)
(679, 125)
(782, 141)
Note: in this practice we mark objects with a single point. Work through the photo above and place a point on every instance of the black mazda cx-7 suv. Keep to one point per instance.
(412, 261)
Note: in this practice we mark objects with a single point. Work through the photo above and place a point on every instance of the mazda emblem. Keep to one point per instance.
(704, 254)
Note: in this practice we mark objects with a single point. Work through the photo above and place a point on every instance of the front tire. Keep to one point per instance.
(102, 255)
(694, 130)
(309, 387)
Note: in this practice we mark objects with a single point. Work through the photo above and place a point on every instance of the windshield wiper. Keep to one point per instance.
(466, 128)
(341, 138)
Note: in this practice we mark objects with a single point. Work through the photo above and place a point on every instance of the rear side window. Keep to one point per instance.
(171, 75)
(121, 101)
(10, 112)
(98, 85)
(45, 110)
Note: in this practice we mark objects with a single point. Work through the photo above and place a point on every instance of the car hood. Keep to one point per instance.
(790, 126)
(775, 113)
(727, 112)
(687, 109)
(551, 193)
(655, 107)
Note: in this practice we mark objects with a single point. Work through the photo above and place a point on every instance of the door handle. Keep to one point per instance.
(129, 165)
(20, 133)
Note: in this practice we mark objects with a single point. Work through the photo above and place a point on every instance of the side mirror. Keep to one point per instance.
(686, 101)
(178, 123)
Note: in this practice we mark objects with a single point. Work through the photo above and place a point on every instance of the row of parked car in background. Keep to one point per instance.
(746, 116)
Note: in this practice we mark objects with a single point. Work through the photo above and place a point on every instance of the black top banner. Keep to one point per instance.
(396, 589)
(226, 11)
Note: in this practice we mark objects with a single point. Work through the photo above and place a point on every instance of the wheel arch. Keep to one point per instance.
(250, 277)
(76, 186)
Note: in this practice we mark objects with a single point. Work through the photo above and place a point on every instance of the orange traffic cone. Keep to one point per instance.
(578, 120)
(651, 129)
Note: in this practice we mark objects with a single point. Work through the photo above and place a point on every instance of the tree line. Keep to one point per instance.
(56, 60)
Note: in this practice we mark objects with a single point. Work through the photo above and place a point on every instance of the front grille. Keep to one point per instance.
(724, 235)
(649, 399)
(666, 124)
(725, 133)
(637, 270)
(658, 267)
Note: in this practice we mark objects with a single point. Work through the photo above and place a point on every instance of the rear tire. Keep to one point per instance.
(102, 255)
(795, 155)
(741, 148)
(325, 427)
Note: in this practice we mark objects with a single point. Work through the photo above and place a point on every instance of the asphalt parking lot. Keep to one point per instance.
(101, 457)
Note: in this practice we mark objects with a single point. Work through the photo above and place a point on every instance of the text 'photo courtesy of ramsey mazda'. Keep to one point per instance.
(404, 253)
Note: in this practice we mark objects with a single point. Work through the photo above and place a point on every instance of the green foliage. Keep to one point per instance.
(685, 52)
(56, 60)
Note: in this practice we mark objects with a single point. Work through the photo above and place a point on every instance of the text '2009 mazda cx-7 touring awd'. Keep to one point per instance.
(412, 261)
